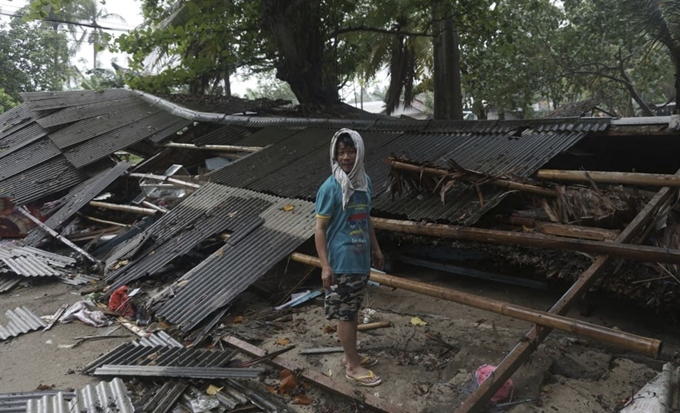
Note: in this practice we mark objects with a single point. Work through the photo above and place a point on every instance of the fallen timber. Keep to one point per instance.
(343, 389)
(633, 252)
(504, 183)
(216, 148)
(628, 341)
(124, 208)
(615, 178)
(480, 397)
(563, 230)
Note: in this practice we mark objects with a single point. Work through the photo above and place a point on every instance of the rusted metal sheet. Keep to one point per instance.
(217, 280)
(105, 397)
(77, 200)
(21, 321)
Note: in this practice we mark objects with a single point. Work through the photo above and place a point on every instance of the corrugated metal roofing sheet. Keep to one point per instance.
(105, 397)
(231, 214)
(14, 117)
(113, 120)
(7, 282)
(77, 200)
(161, 355)
(16, 402)
(217, 280)
(185, 372)
(42, 180)
(84, 111)
(225, 135)
(29, 266)
(160, 338)
(20, 138)
(160, 124)
(27, 157)
(165, 397)
(21, 321)
(38, 101)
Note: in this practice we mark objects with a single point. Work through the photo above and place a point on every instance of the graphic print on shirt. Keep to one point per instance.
(357, 222)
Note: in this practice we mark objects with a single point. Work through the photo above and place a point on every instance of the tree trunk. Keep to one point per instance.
(227, 84)
(295, 27)
(675, 57)
(448, 101)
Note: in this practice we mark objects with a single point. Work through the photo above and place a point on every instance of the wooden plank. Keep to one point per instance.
(616, 178)
(340, 388)
(479, 399)
(633, 252)
(564, 230)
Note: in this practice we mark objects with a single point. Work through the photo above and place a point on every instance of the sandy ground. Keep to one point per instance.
(566, 374)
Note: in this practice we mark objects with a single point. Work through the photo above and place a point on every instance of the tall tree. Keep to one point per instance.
(91, 13)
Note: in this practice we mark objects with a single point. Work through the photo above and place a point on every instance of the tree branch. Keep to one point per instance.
(377, 30)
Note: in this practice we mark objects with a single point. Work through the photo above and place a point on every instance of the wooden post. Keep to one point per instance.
(454, 175)
(481, 396)
(226, 148)
(341, 388)
(633, 252)
(618, 338)
(125, 208)
(616, 178)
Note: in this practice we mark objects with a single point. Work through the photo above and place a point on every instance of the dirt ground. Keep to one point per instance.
(566, 373)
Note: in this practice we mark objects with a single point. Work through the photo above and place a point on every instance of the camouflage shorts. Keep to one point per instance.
(344, 298)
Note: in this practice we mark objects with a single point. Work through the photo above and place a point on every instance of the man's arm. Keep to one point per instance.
(320, 241)
(376, 253)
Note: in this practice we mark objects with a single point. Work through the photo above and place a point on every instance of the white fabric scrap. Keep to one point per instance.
(85, 311)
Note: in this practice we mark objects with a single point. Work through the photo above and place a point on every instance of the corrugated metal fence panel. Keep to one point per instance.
(21, 321)
(269, 161)
(27, 157)
(217, 280)
(37, 101)
(37, 182)
(78, 200)
(113, 120)
(158, 124)
(17, 402)
(85, 111)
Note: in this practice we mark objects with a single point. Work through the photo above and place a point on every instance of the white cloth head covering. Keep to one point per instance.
(356, 180)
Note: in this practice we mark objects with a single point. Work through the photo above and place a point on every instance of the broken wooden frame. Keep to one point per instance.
(340, 388)
(468, 176)
(618, 338)
(481, 396)
(633, 252)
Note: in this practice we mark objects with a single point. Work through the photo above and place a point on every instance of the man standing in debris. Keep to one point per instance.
(346, 242)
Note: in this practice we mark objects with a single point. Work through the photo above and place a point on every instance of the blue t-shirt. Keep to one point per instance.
(347, 236)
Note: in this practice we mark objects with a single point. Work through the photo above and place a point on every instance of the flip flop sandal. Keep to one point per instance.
(360, 380)
(368, 361)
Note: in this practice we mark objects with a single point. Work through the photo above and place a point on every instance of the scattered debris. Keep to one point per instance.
(21, 321)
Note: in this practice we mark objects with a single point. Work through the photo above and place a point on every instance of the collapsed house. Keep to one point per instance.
(219, 200)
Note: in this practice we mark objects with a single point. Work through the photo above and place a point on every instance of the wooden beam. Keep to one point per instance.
(226, 148)
(615, 178)
(373, 326)
(341, 388)
(616, 337)
(469, 177)
(634, 252)
(563, 230)
(481, 396)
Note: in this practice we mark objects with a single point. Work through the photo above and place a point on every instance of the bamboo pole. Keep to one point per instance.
(56, 235)
(634, 252)
(156, 207)
(125, 208)
(616, 178)
(163, 178)
(619, 338)
(373, 326)
(480, 397)
(454, 175)
(563, 230)
(226, 148)
(103, 221)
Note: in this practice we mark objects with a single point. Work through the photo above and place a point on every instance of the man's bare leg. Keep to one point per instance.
(347, 333)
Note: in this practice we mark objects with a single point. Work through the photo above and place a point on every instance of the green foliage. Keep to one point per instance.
(32, 58)
(6, 101)
(273, 89)
(100, 79)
